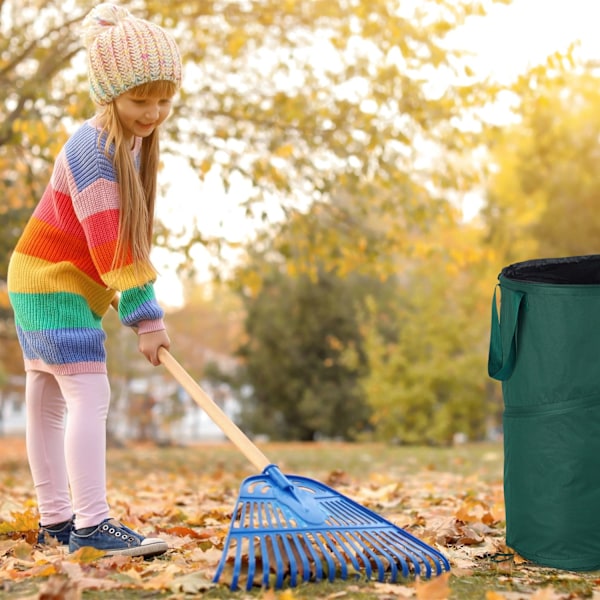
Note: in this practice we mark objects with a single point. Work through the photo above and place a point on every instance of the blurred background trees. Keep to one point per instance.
(352, 137)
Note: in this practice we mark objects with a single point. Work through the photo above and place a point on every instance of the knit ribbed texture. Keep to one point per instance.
(124, 52)
(60, 276)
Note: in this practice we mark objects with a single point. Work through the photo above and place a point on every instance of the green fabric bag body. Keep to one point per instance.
(545, 348)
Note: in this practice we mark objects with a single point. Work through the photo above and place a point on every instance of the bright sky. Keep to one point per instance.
(514, 37)
(508, 41)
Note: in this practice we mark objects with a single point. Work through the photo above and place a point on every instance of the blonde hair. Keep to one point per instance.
(137, 188)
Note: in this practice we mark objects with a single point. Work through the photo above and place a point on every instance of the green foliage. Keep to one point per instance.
(426, 374)
(297, 330)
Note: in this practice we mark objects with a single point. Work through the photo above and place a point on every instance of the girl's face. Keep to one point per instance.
(140, 116)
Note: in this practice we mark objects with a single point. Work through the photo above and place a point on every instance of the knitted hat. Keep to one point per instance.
(124, 52)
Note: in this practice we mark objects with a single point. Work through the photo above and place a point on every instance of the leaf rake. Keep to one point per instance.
(291, 528)
(295, 528)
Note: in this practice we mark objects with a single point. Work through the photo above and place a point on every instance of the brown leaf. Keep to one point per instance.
(436, 589)
(186, 532)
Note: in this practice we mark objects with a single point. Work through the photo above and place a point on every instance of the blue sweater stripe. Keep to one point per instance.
(63, 346)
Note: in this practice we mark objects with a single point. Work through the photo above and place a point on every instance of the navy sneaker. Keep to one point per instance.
(60, 532)
(116, 539)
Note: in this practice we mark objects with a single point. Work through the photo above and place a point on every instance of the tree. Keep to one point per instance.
(297, 329)
(322, 107)
(425, 378)
(292, 97)
(541, 200)
(314, 97)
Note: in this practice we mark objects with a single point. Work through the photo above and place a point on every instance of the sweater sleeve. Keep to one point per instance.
(95, 195)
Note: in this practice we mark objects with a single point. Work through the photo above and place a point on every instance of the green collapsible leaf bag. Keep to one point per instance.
(545, 348)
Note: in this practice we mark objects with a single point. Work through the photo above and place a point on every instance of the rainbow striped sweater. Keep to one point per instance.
(60, 276)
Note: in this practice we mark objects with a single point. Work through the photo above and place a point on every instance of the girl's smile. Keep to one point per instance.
(141, 116)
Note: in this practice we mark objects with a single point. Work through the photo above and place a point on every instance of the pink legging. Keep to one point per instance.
(66, 445)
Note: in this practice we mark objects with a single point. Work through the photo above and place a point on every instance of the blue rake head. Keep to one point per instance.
(294, 529)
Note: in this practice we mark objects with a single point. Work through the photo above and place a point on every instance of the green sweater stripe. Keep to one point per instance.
(58, 310)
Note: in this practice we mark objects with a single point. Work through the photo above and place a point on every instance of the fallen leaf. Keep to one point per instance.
(395, 590)
(436, 589)
(192, 583)
(546, 593)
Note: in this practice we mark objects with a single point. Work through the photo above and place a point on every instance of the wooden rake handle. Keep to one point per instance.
(206, 403)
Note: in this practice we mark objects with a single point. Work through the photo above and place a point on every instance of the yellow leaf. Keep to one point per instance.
(45, 570)
(205, 166)
(285, 151)
(494, 596)
(87, 554)
(235, 43)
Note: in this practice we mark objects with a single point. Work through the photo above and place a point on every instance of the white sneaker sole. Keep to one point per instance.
(149, 547)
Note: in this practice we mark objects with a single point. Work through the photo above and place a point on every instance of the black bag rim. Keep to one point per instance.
(567, 270)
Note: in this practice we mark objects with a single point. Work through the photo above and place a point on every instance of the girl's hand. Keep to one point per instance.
(149, 343)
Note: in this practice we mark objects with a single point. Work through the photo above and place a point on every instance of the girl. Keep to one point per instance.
(88, 238)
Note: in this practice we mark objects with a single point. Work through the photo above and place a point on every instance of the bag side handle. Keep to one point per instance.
(503, 337)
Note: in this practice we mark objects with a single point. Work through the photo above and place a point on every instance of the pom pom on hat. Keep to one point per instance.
(124, 52)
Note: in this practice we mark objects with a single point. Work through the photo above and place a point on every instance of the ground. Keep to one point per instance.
(449, 498)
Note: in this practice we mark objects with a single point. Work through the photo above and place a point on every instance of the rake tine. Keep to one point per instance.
(236, 566)
(292, 550)
(264, 544)
(293, 565)
(331, 547)
(241, 511)
(275, 540)
(400, 555)
(318, 557)
(251, 562)
(391, 559)
(301, 555)
(427, 555)
(368, 564)
(401, 549)
(351, 552)
(349, 515)
(316, 560)
(276, 544)
(416, 552)
(291, 553)
(324, 547)
(338, 543)
(279, 566)
(400, 552)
